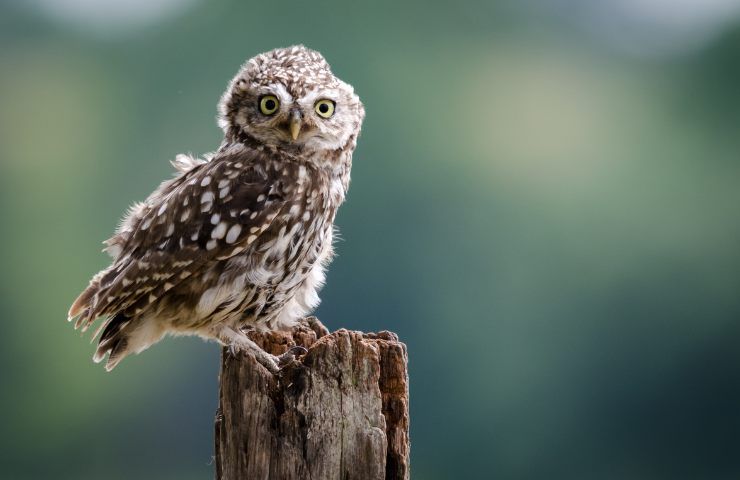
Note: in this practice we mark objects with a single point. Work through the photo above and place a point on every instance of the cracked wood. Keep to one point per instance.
(339, 413)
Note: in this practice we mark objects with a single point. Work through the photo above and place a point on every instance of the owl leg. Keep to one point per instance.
(239, 341)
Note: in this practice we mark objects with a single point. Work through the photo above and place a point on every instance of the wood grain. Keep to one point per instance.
(341, 412)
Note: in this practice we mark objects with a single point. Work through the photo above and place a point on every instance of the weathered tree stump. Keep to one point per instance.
(339, 413)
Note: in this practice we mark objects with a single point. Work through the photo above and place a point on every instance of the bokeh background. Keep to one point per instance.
(545, 207)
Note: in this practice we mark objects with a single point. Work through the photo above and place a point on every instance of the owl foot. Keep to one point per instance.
(276, 363)
(238, 341)
(290, 355)
(268, 361)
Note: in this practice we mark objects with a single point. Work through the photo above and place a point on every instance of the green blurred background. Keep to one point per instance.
(544, 206)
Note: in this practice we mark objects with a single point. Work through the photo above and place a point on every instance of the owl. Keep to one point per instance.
(239, 239)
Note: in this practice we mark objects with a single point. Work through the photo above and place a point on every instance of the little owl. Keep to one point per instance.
(238, 240)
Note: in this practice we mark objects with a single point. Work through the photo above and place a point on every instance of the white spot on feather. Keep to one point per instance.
(219, 231)
(233, 233)
(207, 197)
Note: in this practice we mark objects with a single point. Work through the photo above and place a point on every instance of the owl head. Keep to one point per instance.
(288, 98)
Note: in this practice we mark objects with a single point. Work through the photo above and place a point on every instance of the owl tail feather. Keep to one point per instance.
(113, 341)
(81, 303)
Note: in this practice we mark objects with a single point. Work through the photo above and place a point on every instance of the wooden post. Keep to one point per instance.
(341, 413)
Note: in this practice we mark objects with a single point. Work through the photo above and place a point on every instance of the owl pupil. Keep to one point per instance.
(323, 108)
(270, 104)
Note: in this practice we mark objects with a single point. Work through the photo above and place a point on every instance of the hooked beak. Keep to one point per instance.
(295, 124)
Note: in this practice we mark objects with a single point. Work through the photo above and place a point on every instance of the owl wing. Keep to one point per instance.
(209, 213)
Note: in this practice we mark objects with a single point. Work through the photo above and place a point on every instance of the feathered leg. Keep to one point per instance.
(240, 341)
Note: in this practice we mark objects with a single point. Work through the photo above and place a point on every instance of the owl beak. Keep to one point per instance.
(295, 123)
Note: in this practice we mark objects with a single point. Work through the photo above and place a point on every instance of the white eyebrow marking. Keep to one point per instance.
(279, 90)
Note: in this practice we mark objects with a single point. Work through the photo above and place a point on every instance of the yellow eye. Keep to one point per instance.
(269, 104)
(325, 108)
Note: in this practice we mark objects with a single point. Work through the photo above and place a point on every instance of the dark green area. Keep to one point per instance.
(551, 226)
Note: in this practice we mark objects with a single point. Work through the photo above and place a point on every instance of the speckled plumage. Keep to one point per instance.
(241, 238)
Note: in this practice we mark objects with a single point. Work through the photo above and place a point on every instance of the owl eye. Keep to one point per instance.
(269, 104)
(325, 108)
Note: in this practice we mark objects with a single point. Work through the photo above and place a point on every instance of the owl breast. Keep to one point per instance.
(276, 281)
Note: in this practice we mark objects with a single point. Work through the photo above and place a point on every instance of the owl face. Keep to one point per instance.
(288, 98)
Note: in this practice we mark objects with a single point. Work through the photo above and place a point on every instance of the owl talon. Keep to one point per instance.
(287, 357)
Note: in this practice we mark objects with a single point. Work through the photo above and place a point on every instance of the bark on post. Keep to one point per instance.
(339, 413)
